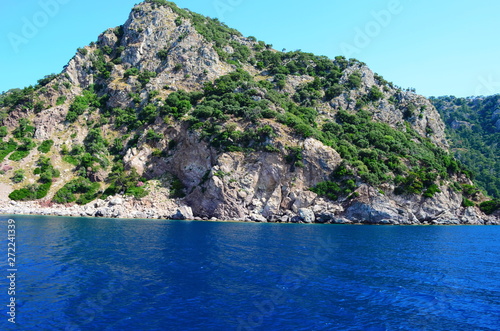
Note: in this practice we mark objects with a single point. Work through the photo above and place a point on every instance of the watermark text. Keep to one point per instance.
(11, 270)
(31, 26)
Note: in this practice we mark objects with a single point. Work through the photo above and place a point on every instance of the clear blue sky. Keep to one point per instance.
(440, 47)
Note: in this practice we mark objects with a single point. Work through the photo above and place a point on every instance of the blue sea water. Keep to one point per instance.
(111, 274)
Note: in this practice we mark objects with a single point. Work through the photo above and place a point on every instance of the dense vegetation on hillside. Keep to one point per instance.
(374, 151)
(237, 112)
(473, 128)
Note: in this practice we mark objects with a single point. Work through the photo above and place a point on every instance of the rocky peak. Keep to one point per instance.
(233, 128)
(154, 40)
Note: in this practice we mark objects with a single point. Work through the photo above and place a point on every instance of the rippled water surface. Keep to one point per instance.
(102, 274)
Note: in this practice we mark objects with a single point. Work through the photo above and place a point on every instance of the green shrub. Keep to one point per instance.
(354, 80)
(100, 63)
(145, 76)
(158, 2)
(6, 148)
(294, 156)
(328, 189)
(179, 103)
(431, 190)
(61, 100)
(131, 72)
(71, 160)
(3, 131)
(469, 190)
(82, 103)
(124, 182)
(46, 170)
(467, 203)
(157, 153)
(31, 192)
(47, 79)
(375, 94)
(45, 146)
(23, 194)
(178, 66)
(137, 192)
(71, 116)
(177, 189)
(94, 142)
(107, 50)
(153, 94)
(489, 207)
(18, 155)
(271, 149)
(126, 117)
(24, 129)
(220, 174)
(152, 136)
(334, 91)
(18, 176)
(18, 97)
(149, 113)
(80, 189)
(43, 190)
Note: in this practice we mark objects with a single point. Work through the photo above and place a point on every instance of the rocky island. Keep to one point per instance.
(175, 115)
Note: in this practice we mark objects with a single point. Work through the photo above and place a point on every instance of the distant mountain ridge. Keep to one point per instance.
(189, 117)
(473, 127)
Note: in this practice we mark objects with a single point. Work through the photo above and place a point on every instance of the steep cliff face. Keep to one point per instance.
(261, 183)
(200, 116)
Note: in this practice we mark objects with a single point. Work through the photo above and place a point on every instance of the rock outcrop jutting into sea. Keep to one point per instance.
(176, 115)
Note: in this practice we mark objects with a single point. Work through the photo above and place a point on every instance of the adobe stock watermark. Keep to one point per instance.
(430, 312)
(488, 85)
(94, 305)
(12, 270)
(224, 6)
(372, 29)
(290, 281)
(31, 26)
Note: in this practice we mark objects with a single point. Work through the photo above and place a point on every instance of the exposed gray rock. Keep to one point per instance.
(137, 158)
(306, 215)
(471, 216)
(139, 214)
(458, 124)
(183, 213)
(325, 218)
(285, 219)
(99, 175)
(258, 218)
(302, 199)
(341, 221)
(115, 201)
(49, 121)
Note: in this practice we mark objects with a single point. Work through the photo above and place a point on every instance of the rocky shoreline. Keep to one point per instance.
(253, 152)
(130, 208)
